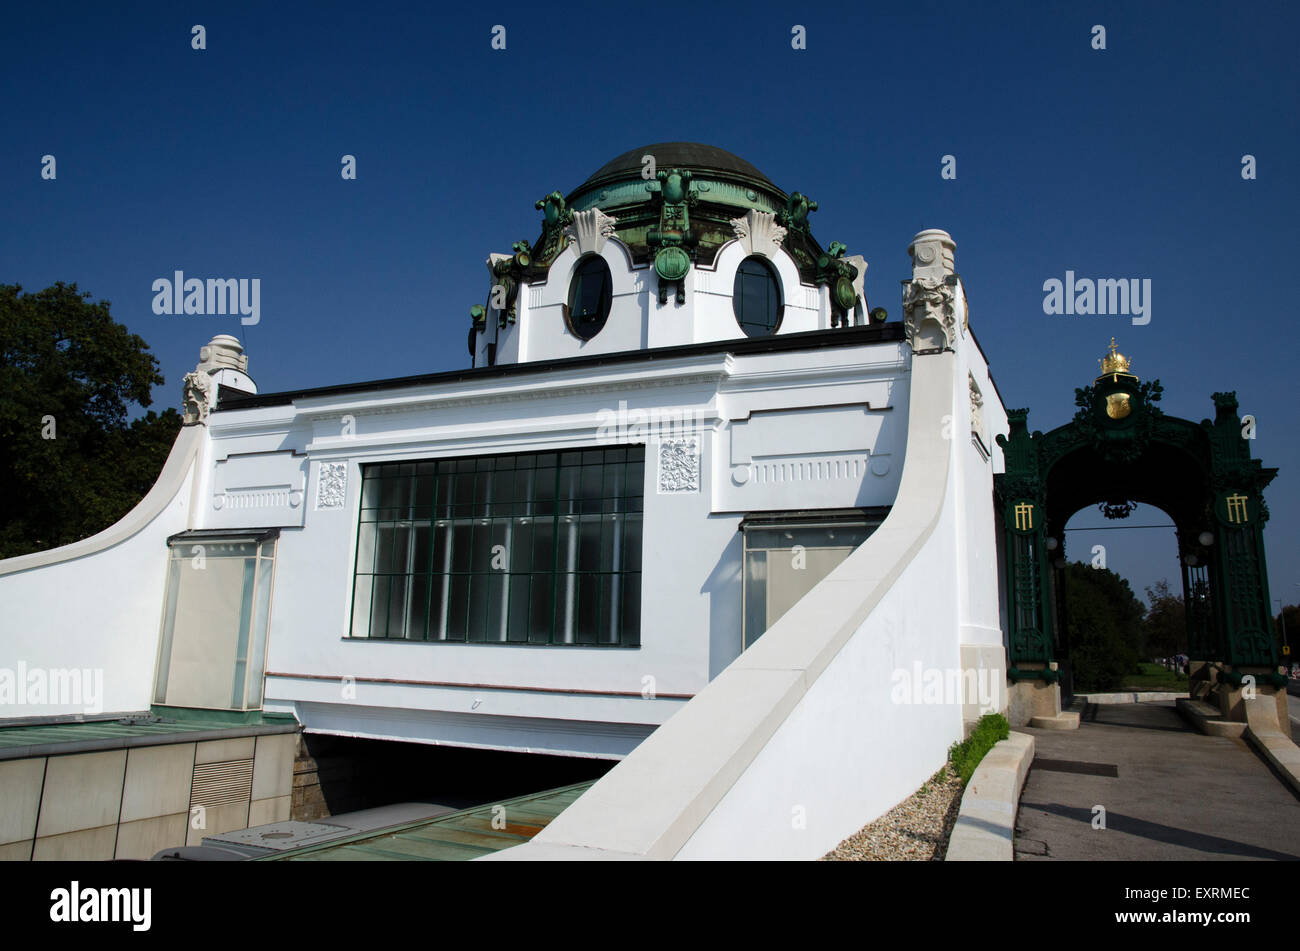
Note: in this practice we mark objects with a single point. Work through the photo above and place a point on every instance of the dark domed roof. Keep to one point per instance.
(722, 187)
(692, 155)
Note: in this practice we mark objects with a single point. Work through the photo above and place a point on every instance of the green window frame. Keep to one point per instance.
(539, 548)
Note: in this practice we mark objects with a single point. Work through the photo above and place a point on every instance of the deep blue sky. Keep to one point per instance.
(1117, 163)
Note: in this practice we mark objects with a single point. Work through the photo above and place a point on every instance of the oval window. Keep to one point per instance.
(589, 297)
(756, 298)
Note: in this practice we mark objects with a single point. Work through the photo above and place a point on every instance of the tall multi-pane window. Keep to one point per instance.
(543, 548)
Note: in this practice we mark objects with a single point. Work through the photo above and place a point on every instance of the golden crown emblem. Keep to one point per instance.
(1114, 361)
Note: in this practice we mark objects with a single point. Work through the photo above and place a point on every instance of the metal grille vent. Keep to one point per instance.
(217, 784)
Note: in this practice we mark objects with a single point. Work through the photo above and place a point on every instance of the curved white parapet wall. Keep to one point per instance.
(847, 752)
(95, 605)
(797, 743)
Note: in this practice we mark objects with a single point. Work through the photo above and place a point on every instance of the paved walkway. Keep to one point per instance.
(1168, 792)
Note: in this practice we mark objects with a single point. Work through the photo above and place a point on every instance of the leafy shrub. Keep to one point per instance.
(966, 755)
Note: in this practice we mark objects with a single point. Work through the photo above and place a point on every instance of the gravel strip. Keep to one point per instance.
(916, 830)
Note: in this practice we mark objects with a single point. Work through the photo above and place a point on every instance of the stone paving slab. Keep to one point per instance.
(1176, 794)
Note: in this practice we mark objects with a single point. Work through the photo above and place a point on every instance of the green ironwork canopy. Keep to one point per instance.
(1121, 449)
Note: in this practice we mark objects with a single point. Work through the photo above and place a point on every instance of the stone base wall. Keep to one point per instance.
(1032, 698)
(132, 803)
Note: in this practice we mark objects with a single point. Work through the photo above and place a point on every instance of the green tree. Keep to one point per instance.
(1166, 621)
(1103, 624)
(70, 462)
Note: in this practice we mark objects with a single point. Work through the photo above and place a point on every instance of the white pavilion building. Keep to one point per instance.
(690, 478)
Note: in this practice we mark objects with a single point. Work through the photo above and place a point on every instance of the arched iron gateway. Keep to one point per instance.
(1120, 448)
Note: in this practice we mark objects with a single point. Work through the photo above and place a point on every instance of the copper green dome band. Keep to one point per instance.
(720, 178)
(709, 193)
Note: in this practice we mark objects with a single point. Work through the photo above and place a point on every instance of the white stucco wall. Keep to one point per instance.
(801, 741)
(844, 401)
(847, 752)
(979, 533)
(800, 429)
(96, 606)
(637, 320)
(806, 737)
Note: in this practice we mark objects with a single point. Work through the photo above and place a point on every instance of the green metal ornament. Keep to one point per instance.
(845, 295)
(672, 263)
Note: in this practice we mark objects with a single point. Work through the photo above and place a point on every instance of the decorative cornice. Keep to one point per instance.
(590, 229)
(758, 232)
(517, 394)
(626, 361)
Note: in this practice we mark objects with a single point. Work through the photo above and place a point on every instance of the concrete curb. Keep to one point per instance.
(1280, 751)
(1207, 718)
(1129, 697)
(1065, 720)
(986, 823)
(1264, 732)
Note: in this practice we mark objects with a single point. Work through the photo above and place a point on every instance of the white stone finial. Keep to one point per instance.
(221, 351)
(933, 254)
(222, 361)
(929, 302)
